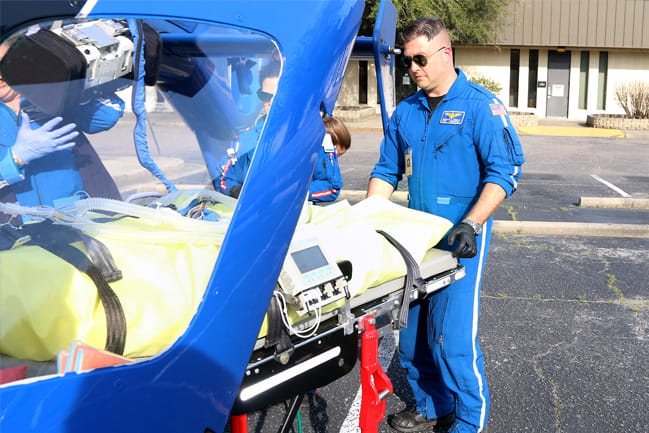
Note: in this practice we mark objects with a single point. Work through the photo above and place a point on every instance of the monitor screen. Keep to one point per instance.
(309, 259)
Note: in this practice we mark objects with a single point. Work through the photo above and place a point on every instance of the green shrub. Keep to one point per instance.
(487, 83)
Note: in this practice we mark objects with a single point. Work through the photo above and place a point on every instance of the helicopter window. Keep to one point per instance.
(121, 144)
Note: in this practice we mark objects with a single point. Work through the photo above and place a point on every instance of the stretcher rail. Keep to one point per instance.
(313, 362)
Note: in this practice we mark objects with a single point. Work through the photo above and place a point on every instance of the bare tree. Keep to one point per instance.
(633, 97)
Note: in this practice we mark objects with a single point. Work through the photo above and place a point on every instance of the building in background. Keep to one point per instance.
(555, 58)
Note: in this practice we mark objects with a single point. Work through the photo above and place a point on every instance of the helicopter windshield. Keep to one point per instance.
(124, 146)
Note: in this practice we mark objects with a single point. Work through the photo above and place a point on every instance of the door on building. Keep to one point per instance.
(558, 83)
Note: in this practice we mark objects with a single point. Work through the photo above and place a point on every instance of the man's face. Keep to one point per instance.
(7, 94)
(269, 86)
(435, 54)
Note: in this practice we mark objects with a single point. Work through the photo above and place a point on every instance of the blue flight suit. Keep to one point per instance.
(325, 185)
(234, 173)
(234, 165)
(327, 181)
(465, 142)
(54, 179)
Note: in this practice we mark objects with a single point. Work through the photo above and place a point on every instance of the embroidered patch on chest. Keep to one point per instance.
(452, 117)
(498, 109)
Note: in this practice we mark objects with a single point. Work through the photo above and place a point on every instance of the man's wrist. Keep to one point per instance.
(19, 162)
(477, 227)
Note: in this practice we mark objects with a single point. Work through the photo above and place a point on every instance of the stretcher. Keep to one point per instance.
(310, 335)
(305, 364)
(279, 371)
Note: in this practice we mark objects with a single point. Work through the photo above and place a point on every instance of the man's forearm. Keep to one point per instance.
(491, 197)
(380, 187)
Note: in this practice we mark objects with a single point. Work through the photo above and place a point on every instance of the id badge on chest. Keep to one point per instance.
(408, 157)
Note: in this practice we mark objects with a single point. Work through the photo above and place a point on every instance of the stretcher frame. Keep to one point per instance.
(326, 356)
(331, 353)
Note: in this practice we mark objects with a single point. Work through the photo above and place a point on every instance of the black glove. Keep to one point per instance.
(235, 191)
(464, 235)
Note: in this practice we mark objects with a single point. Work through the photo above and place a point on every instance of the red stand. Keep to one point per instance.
(375, 384)
(239, 423)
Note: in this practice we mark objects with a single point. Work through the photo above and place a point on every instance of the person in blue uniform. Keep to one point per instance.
(237, 160)
(39, 164)
(454, 141)
(327, 180)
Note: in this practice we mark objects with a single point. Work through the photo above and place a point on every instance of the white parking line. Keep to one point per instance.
(610, 185)
(387, 347)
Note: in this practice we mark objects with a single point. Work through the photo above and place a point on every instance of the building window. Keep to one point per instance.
(601, 84)
(362, 82)
(533, 77)
(583, 80)
(514, 67)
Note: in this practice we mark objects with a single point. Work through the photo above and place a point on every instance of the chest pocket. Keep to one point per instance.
(454, 139)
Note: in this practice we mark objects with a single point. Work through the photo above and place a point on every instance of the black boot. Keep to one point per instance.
(410, 420)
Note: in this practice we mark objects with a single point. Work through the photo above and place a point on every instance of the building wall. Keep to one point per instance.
(491, 62)
(349, 91)
(619, 27)
(623, 67)
(577, 23)
(488, 62)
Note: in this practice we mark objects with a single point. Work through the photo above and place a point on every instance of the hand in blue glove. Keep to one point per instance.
(32, 144)
(465, 237)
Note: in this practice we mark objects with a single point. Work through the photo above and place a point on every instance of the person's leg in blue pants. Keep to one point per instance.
(432, 398)
(441, 352)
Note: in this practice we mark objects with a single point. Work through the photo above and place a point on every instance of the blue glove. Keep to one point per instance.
(32, 144)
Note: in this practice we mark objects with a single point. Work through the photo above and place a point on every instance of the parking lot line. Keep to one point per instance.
(610, 185)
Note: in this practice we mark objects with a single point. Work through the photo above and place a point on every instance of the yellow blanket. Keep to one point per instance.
(46, 304)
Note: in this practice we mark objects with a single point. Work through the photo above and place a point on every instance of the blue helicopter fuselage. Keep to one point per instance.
(191, 386)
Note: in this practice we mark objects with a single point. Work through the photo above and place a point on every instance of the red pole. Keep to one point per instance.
(375, 384)
(239, 423)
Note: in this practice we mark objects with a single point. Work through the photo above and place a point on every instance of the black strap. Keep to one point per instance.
(276, 335)
(10, 237)
(98, 265)
(100, 257)
(414, 281)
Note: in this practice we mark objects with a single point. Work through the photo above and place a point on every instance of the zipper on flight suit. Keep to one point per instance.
(422, 157)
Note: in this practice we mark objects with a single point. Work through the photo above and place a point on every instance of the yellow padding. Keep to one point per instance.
(349, 233)
(46, 304)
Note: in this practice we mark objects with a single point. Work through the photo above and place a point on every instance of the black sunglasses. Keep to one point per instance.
(264, 96)
(419, 59)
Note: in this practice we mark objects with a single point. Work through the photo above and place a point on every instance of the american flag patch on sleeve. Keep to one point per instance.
(498, 109)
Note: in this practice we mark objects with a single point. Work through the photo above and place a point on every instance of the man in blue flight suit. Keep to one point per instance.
(455, 142)
(37, 162)
(235, 164)
(326, 181)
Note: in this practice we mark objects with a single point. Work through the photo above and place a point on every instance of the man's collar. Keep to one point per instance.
(453, 92)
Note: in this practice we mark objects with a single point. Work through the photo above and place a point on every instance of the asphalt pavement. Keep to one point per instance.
(600, 211)
(565, 306)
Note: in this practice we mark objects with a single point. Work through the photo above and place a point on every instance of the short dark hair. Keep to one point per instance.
(429, 27)
(270, 70)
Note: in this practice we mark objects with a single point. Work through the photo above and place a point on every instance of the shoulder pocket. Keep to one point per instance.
(514, 146)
